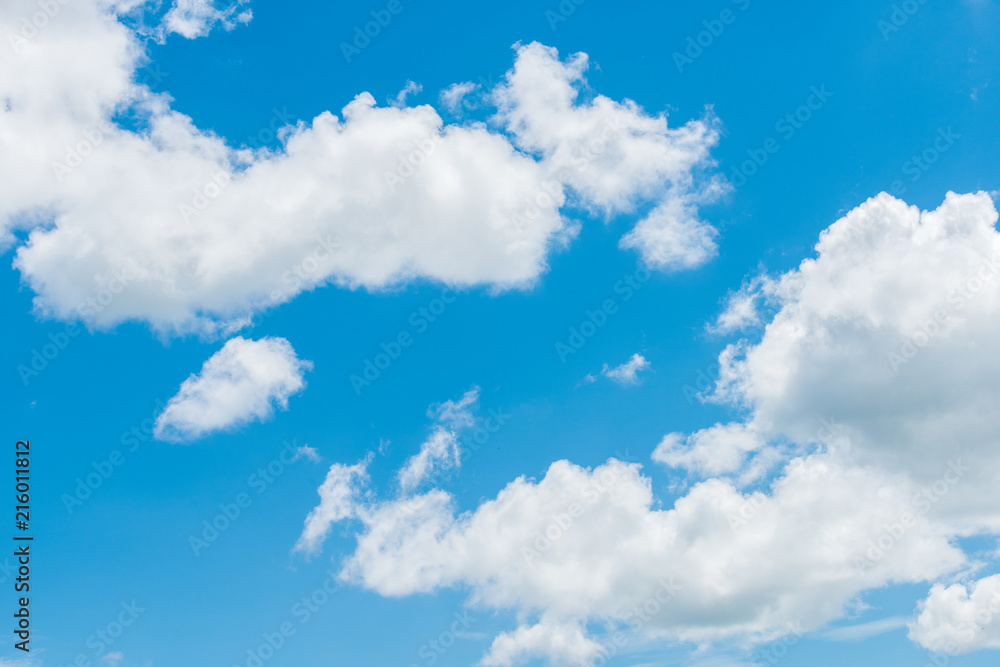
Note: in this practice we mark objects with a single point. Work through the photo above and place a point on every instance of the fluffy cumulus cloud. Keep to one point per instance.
(564, 643)
(957, 619)
(613, 155)
(881, 350)
(716, 450)
(853, 469)
(882, 345)
(171, 225)
(583, 547)
(240, 383)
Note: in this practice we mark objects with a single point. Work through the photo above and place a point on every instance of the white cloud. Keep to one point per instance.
(454, 95)
(717, 450)
(338, 501)
(613, 155)
(881, 350)
(559, 642)
(441, 449)
(672, 237)
(305, 451)
(456, 414)
(340, 493)
(742, 309)
(173, 226)
(583, 547)
(958, 619)
(411, 88)
(196, 18)
(889, 333)
(878, 359)
(240, 383)
(627, 373)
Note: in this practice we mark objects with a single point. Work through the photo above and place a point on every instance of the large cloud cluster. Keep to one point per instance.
(869, 447)
(207, 233)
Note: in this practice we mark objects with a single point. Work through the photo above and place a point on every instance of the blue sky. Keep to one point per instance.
(837, 103)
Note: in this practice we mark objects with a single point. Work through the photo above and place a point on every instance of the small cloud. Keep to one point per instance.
(454, 95)
(338, 501)
(196, 18)
(409, 88)
(341, 494)
(441, 449)
(456, 414)
(742, 310)
(718, 450)
(307, 452)
(627, 373)
(240, 383)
